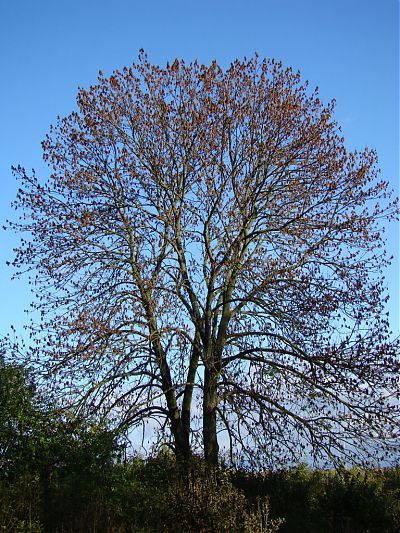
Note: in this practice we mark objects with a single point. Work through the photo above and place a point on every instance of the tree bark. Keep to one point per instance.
(181, 436)
(188, 396)
(210, 402)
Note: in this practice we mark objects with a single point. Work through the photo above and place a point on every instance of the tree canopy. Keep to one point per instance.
(208, 254)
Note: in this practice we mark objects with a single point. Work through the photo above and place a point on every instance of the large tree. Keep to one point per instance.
(206, 249)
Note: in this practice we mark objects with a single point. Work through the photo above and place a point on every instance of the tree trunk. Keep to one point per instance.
(210, 402)
(187, 400)
(181, 440)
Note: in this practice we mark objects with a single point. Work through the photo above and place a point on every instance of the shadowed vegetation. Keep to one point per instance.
(63, 475)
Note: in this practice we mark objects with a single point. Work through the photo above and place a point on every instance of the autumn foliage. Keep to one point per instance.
(207, 254)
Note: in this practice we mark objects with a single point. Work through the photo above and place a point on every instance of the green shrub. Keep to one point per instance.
(188, 497)
(20, 505)
(314, 501)
(62, 474)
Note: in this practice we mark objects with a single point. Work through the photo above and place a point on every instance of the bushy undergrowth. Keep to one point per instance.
(316, 501)
(61, 474)
(159, 495)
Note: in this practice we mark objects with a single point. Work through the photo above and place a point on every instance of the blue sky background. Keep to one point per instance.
(349, 48)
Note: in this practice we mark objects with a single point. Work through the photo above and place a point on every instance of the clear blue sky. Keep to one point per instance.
(349, 48)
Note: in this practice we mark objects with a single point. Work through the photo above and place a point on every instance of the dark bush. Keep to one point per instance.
(315, 501)
(62, 474)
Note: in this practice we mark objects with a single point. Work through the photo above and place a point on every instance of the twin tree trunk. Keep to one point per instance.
(180, 424)
(180, 419)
